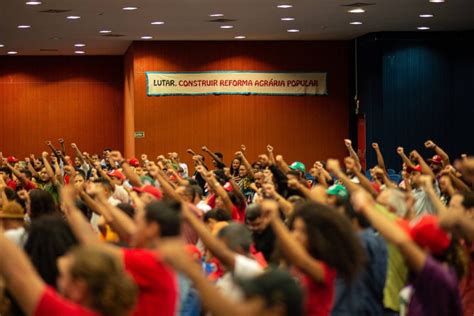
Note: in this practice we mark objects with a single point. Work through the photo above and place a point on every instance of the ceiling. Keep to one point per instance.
(189, 20)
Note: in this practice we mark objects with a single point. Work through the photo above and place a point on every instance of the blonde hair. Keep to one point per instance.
(111, 289)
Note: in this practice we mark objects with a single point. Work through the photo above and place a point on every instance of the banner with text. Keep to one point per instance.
(235, 82)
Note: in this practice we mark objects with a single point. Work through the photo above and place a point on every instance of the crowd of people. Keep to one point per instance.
(85, 234)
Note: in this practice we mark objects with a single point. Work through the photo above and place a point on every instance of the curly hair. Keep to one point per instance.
(331, 238)
(111, 289)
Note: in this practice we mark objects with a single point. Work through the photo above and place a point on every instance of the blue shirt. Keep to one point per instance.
(365, 295)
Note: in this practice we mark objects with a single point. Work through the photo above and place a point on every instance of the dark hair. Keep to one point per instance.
(41, 203)
(351, 214)
(237, 235)
(10, 193)
(331, 238)
(219, 154)
(192, 181)
(253, 212)
(107, 149)
(235, 172)
(127, 209)
(6, 170)
(80, 172)
(27, 173)
(455, 257)
(217, 214)
(166, 215)
(49, 237)
(84, 209)
(105, 183)
(468, 199)
(295, 173)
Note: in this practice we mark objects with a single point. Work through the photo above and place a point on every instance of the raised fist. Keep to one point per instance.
(375, 146)
(430, 144)
(243, 148)
(61, 141)
(269, 148)
(44, 154)
(348, 142)
(400, 150)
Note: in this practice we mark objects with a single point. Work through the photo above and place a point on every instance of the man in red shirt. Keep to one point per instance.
(157, 283)
(80, 273)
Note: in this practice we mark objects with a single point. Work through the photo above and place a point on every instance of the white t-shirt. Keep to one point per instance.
(121, 194)
(203, 206)
(245, 268)
(185, 169)
(18, 236)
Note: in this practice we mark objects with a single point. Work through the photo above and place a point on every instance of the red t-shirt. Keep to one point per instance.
(51, 304)
(11, 184)
(158, 294)
(319, 295)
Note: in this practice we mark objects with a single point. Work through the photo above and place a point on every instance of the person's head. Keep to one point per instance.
(49, 237)
(159, 219)
(77, 162)
(116, 177)
(79, 179)
(43, 175)
(90, 276)
(148, 193)
(259, 178)
(396, 201)
(237, 237)
(337, 195)
(41, 203)
(463, 201)
(358, 220)
(243, 172)
(274, 293)
(189, 193)
(234, 168)
(6, 173)
(127, 209)
(436, 163)
(254, 219)
(95, 157)
(106, 186)
(106, 152)
(299, 168)
(220, 156)
(12, 216)
(27, 173)
(216, 215)
(328, 236)
(263, 160)
(415, 174)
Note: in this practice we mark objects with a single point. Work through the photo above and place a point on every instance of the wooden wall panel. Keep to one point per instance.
(304, 128)
(77, 98)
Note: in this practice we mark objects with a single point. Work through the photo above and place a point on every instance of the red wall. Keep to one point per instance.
(304, 128)
(44, 98)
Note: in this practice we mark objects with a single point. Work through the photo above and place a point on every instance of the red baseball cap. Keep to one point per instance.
(117, 174)
(150, 190)
(415, 168)
(134, 162)
(427, 234)
(12, 159)
(436, 160)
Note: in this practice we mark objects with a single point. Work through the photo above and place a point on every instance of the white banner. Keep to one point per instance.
(235, 82)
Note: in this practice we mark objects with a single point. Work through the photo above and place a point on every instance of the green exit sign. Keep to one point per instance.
(140, 134)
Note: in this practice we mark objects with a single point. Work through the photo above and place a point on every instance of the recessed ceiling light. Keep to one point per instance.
(284, 6)
(227, 26)
(240, 37)
(157, 22)
(436, 1)
(423, 28)
(79, 45)
(287, 19)
(356, 23)
(79, 52)
(55, 38)
(216, 15)
(105, 31)
(358, 10)
(73, 17)
(292, 31)
(146, 37)
(12, 53)
(129, 8)
(24, 26)
(426, 15)
(1, 45)
(33, 3)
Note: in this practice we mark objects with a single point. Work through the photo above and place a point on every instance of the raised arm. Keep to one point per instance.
(352, 153)
(380, 160)
(281, 164)
(58, 153)
(271, 157)
(439, 151)
(63, 149)
(213, 155)
(414, 256)
(334, 167)
(78, 153)
(217, 187)
(213, 244)
(127, 170)
(49, 170)
(245, 162)
(401, 153)
(18, 174)
(425, 169)
(292, 249)
(21, 278)
(285, 205)
(30, 167)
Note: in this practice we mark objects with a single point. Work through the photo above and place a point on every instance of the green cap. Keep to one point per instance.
(298, 166)
(337, 189)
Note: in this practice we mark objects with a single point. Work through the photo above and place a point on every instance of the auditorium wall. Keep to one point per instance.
(299, 127)
(45, 98)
